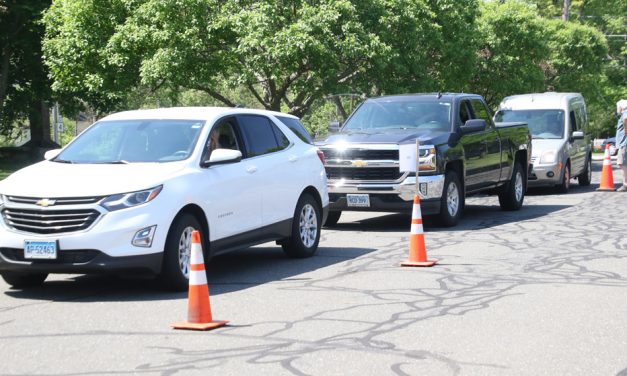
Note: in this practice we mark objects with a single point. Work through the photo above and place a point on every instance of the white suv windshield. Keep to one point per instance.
(542, 123)
(401, 114)
(127, 141)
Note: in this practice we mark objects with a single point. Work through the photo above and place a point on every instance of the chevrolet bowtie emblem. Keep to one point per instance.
(359, 163)
(44, 202)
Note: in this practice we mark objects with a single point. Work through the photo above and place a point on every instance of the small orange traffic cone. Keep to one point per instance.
(607, 177)
(198, 307)
(417, 249)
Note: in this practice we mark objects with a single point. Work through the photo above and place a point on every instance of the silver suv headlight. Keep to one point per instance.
(128, 200)
(549, 156)
(427, 159)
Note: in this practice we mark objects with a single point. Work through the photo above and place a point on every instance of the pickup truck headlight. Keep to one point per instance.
(427, 159)
(548, 157)
(128, 200)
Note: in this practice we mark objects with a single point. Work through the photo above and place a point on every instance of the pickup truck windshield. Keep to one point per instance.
(128, 141)
(547, 124)
(401, 114)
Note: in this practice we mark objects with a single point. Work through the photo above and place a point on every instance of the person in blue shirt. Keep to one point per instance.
(621, 140)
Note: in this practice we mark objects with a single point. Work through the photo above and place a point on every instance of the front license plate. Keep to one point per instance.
(40, 250)
(362, 201)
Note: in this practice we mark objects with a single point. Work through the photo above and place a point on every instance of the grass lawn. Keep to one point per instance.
(8, 167)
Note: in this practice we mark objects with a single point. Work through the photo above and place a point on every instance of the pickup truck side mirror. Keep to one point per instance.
(334, 126)
(578, 135)
(222, 156)
(473, 125)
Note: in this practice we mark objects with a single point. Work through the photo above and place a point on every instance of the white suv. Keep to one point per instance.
(127, 193)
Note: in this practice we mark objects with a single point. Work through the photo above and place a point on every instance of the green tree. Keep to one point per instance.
(24, 84)
(286, 53)
(511, 51)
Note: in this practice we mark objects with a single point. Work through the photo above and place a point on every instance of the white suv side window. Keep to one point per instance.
(260, 135)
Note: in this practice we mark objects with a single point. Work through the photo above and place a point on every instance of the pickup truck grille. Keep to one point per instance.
(361, 154)
(49, 221)
(360, 173)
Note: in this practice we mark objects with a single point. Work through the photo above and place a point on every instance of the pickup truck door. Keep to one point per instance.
(482, 149)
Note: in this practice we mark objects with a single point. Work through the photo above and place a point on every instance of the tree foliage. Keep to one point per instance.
(24, 84)
(287, 54)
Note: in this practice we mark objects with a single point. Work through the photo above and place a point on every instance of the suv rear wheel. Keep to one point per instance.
(332, 218)
(306, 226)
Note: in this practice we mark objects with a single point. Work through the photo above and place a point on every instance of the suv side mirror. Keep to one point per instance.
(578, 135)
(334, 126)
(222, 156)
(473, 125)
(51, 154)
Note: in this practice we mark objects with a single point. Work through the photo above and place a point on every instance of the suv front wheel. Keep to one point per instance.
(178, 247)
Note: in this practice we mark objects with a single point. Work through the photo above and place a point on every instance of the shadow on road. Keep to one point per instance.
(226, 273)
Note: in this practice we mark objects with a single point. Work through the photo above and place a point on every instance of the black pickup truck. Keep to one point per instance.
(462, 152)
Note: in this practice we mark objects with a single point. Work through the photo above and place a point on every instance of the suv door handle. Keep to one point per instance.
(251, 169)
(293, 158)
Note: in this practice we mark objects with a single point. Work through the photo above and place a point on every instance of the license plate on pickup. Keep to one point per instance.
(362, 201)
(40, 250)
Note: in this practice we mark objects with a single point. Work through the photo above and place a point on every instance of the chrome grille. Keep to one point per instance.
(57, 201)
(49, 221)
(367, 173)
(365, 154)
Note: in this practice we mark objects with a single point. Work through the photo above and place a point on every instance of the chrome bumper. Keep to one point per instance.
(430, 187)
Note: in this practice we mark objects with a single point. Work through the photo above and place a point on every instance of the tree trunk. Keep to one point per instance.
(5, 58)
(566, 10)
(39, 118)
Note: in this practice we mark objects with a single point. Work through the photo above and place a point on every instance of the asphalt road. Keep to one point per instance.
(542, 291)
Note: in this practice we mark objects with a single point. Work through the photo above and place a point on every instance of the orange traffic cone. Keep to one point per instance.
(198, 307)
(417, 249)
(607, 178)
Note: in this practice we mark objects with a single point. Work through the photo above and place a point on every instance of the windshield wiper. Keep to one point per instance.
(62, 161)
(119, 161)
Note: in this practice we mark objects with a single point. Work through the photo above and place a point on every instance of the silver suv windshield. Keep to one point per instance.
(405, 113)
(129, 141)
(543, 124)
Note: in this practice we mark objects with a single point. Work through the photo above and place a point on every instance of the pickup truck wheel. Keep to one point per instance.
(332, 218)
(178, 246)
(22, 280)
(306, 226)
(512, 194)
(586, 176)
(564, 186)
(452, 201)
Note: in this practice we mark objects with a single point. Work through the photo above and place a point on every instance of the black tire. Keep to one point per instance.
(586, 176)
(332, 218)
(175, 269)
(306, 227)
(564, 185)
(24, 280)
(452, 201)
(512, 194)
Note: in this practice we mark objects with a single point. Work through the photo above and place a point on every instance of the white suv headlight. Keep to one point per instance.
(128, 200)
(548, 157)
